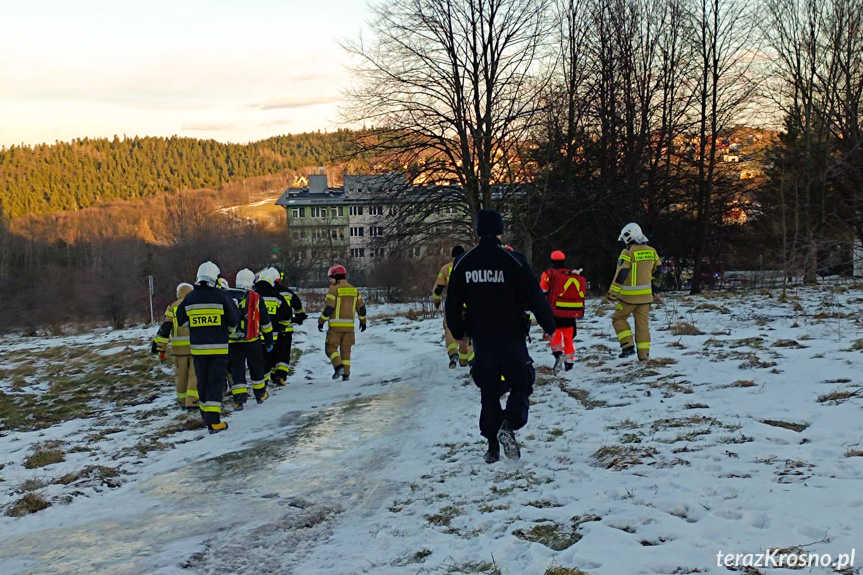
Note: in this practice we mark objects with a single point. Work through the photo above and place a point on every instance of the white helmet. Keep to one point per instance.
(266, 275)
(183, 289)
(631, 233)
(208, 272)
(275, 274)
(245, 278)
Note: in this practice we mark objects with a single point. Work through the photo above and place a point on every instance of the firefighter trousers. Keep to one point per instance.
(620, 321)
(511, 362)
(281, 360)
(453, 346)
(562, 342)
(187, 383)
(249, 353)
(212, 371)
(338, 348)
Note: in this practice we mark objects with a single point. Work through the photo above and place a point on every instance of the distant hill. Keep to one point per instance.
(82, 173)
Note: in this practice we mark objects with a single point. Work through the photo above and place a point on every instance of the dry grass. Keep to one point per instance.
(839, 396)
(564, 571)
(854, 453)
(685, 328)
(583, 397)
(798, 427)
(743, 383)
(30, 503)
(43, 457)
(619, 457)
(553, 536)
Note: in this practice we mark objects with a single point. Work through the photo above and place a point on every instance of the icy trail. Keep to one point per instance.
(737, 439)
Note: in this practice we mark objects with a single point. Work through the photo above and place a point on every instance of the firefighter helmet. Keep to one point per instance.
(558, 256)
(223, 283)
(183, 289)
(245, 279)
(208, 273)
(631, 233)
(266, 275)
(337, 270)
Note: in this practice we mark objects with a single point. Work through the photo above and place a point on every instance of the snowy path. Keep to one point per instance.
(739, 439)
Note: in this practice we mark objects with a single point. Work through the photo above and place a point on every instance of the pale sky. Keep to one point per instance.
(231, 70)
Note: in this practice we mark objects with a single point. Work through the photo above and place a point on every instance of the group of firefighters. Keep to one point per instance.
(215, 332)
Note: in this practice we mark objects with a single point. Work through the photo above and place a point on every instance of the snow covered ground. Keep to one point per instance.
(743, 433)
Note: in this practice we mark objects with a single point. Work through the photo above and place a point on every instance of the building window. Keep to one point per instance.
(376, 232)
(415, 252)
(334, 213)
(356, 210)
(337, 234)
(356, 232)
(341, 211)
(358, 252)
(376, 252)
(298, 213)
(376, 210)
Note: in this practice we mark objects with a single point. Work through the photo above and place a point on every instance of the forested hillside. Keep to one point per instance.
(81, 173)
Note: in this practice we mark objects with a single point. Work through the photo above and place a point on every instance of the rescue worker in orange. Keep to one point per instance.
(342, 302)
(632, 291)
(459, 352)
(175, 339)
(563, 280)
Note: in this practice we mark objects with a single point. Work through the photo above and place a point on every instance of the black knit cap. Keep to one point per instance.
(489, 223)
(457, 251)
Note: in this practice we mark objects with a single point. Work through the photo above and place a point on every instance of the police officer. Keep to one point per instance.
(489, 289)
(211, 316)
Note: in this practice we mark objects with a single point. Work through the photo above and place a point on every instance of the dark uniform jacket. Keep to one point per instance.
(278, 309)
(299, 314)
(495, 285)
(210, 315)
(266, 327)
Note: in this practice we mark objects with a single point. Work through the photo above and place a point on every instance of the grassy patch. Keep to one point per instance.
(43, 457)
(553, 536)
(413, 558)
(582, 396)
(488, 508)
(184, 423)
(685, 328)
(839, 396)
(788, 343)
(30, 503)
(619, 457)
(564, 571)
(31, 484)
(798, 427)
(444, 517)
(743, 383)
(474, 568)
(854, 453)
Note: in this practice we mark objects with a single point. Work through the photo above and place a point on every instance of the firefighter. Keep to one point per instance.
(211, 316)
(170, 333)
(564, 289)
(460, 353)
(342, 301)
(254, 337)
(286, 335)
(280, 315)
(489, 289)
(632, 291)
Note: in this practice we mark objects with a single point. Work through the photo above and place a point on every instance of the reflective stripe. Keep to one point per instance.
(330, 296)
(452, 346)
(192, 393)
(348, 292)
(159, 339)
(637, 290)
(436, 297)
(334, 355)
(615, 288)
(644, 255)
(237, 390)
(175, 341)
(346, 362)
(341, 323)
(211, 406)
(470, 357)
(259, 384)
(181, 395)
(625, 258)
(567, 304)
(624, 333)
(643, 345)
(463, 356)
(207, 306)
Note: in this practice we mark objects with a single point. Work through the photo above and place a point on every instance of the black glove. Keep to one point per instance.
(300, 318)
(153, 348)
(363, 326)
(320, 326)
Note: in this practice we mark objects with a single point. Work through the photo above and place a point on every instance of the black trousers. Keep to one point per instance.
(249, 353)
(511, 361)
(212, 372)
(280, 362)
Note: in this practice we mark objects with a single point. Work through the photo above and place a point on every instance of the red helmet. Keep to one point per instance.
(337, 269)
(558, 256)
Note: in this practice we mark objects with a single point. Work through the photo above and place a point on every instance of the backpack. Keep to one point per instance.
(250, 317)
(566, 293)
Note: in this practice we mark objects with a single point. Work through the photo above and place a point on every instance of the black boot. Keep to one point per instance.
(558, 363)
(492, 455)
(453, 361)
(506, 437)
(339, 371)
(626, 352)
(568, 366)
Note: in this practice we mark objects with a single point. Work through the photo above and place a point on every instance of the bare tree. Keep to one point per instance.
(450, 86)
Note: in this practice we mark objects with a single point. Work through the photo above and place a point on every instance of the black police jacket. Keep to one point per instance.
(489, 289)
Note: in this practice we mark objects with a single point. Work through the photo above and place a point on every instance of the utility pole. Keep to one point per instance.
(150, 285)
